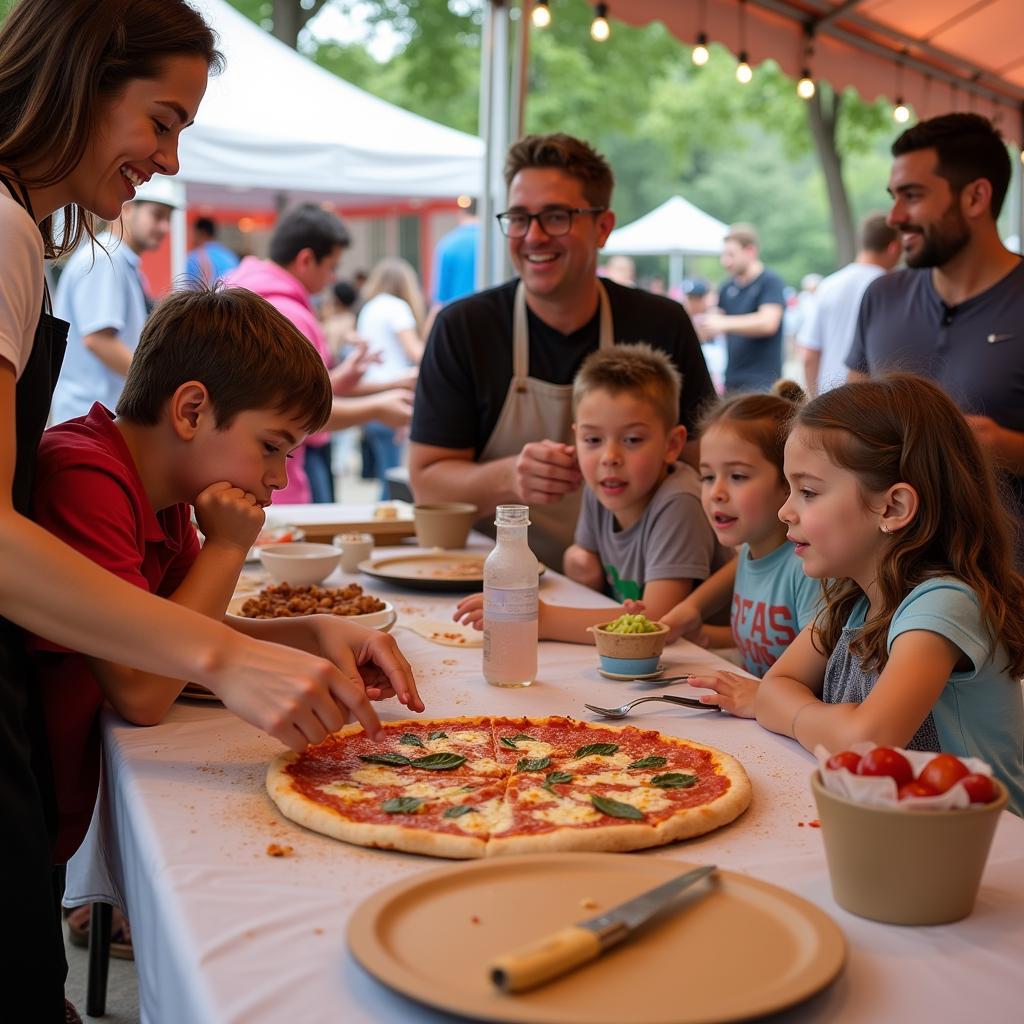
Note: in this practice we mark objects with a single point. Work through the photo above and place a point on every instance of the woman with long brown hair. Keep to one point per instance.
(93, 97)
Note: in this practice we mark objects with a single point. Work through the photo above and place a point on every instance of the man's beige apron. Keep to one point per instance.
(536, 410)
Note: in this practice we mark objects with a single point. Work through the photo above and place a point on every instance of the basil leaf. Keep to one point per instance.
(649, 762)
(439, 735)
(508, 742)
(604, 749)
(440, 762)
(522, 736)
(553, 779)
(396, 760)
(616, 808)
(458, 811)
(411, 739)
(532, 764)
(402, 805)
(674, 780)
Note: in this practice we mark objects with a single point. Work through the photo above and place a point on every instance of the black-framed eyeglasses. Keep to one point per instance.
(554, 222)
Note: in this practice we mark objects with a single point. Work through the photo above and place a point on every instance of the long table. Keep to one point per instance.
(223, 932)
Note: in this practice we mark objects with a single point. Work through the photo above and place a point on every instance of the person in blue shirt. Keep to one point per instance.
(210, 260)
(455, 258)
(921, 641)
(764, 590)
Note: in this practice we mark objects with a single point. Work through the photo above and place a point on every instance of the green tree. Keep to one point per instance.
(753, 152)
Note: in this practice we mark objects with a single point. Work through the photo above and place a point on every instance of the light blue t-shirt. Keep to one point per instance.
(455, 263)
(772, 600)
(980, 712)
(98, 290)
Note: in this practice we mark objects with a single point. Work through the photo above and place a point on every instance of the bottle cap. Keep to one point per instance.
(512, 515)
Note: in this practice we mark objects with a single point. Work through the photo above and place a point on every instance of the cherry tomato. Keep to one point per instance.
(916, 788)
(844, 759)
(980, 788)
(943, 772)
(886, 761)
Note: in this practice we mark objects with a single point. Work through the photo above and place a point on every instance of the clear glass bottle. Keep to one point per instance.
(510, 602)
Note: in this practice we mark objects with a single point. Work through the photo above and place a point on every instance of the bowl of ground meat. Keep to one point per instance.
(285, 600)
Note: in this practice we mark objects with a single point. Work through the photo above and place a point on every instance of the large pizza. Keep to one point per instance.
(486, 786)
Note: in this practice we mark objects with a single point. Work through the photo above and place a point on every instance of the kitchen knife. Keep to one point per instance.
(561, 952)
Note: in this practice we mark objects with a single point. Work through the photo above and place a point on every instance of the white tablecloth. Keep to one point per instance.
(225, 933)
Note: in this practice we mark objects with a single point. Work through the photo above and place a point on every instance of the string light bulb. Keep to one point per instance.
(805, 87)
(900, 113)
(541, 15)
(743, 72)
(701, 55)
(600, 30)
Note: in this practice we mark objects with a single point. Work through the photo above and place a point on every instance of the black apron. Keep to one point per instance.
(34, 968)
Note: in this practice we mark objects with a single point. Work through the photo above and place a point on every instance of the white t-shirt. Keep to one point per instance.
(832, 319)
(380, 321)
(21, 282)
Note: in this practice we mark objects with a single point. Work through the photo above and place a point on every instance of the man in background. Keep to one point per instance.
(102, 295)
(209, 261)
(954, 314)
(749, 314)
(827, 333)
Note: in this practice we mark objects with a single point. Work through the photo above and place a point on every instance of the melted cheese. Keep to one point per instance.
(482, 820)
(378, 775)
(430, 789)
(619, 760)
(567, 813)
(347, 791)
(531, 748)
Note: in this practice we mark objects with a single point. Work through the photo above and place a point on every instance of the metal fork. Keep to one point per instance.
(687, 702)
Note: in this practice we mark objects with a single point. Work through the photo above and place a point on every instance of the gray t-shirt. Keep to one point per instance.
(974, 351)
(672, 540)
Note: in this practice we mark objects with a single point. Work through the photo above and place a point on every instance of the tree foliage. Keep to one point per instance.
(740, 152)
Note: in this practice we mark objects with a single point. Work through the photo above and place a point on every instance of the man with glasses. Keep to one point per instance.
(492, 422)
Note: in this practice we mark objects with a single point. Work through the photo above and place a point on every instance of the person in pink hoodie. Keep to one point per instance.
(305, 250)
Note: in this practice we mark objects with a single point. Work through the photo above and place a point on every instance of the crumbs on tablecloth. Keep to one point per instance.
(588, 903)
(279, 850)
(474, 919)
(449, 661)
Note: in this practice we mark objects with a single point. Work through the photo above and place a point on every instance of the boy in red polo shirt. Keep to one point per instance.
(222, 388)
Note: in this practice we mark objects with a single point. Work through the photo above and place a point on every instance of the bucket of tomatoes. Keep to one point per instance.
(906, 832)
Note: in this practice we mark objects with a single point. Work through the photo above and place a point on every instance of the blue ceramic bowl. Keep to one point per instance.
(630, 666)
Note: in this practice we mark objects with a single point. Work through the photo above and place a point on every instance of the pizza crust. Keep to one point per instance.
(614, 835)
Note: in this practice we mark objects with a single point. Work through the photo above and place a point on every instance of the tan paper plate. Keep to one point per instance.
(747, 949)
(456, 571)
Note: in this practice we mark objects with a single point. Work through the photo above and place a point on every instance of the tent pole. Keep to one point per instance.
(486, 204)
(500, 88)
(517, 119)
(675, 270)
(179, 246)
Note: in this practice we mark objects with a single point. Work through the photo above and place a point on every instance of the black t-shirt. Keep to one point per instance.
(467, 365)
(755, 363)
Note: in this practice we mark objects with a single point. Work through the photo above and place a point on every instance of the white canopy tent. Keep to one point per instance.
(675, 229)
(275, 124)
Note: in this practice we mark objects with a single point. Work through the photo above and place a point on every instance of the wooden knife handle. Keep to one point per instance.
(545, 959)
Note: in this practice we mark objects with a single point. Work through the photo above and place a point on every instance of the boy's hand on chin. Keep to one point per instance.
(229, 516)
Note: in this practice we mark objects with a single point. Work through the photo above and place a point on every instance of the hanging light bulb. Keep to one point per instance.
(805, 87)
(743, 72)
(900, 113)
(700, 54)
(541, 15)
(600, 30)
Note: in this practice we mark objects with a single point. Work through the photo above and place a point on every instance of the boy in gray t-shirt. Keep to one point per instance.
(641, 528)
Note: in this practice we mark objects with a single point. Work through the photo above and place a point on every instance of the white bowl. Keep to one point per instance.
(300, 564)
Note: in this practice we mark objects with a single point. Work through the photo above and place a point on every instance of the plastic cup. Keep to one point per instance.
(355, 548)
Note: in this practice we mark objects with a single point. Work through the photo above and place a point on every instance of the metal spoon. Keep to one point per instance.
(688, 702)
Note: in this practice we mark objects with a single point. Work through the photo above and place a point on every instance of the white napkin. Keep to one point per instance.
(880, 790)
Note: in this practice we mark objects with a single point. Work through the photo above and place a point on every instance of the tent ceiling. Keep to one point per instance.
(937, 55)
(675, 227)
